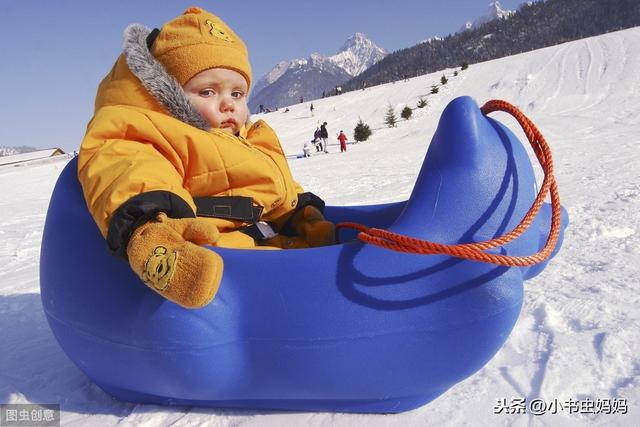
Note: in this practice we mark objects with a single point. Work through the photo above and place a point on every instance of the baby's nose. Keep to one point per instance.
(226, 104)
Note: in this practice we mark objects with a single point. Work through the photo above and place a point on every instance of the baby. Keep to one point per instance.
(170, 161)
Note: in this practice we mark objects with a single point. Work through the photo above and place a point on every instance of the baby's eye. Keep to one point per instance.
(237, 94)
(207, 92)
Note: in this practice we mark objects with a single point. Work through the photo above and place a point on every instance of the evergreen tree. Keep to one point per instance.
(422, 102)
(455, 73)
(434, 89)
(362, 131)
(464, 66)
(443, 80)
(390, 118)
(406, 113)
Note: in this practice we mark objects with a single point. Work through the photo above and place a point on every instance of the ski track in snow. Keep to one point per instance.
(578, 334)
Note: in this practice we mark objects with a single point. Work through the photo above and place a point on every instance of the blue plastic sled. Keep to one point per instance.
(350, 327)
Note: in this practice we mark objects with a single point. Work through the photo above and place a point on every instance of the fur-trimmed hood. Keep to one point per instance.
(138, 79)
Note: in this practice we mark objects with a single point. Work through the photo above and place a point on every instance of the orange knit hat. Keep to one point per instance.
(196, 41)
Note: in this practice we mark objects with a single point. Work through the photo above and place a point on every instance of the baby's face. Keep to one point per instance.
(220, 95)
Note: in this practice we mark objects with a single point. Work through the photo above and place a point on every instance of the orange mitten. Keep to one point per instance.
(166, 254)
(310, 224)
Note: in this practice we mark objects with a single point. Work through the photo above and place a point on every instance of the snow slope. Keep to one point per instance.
(578, 336)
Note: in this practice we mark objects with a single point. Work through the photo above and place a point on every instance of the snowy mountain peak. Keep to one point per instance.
(494, 11)
(357, 54)
(355, 41)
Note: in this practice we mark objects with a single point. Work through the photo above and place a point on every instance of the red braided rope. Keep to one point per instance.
(475, 251)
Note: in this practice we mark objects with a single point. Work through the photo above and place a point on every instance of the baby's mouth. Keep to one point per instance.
(228, 123)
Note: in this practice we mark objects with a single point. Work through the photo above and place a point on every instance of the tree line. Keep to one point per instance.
(535, 25)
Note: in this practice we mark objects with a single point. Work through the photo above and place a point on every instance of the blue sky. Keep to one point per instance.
(54, 53)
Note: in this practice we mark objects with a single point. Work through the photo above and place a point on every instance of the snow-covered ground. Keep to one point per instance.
(578, 336)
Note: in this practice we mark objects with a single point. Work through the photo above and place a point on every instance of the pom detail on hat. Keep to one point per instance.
(192, 9)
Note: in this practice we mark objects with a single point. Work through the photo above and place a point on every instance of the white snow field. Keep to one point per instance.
(578, 336)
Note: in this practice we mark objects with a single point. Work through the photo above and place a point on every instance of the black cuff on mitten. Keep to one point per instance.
(139, 210)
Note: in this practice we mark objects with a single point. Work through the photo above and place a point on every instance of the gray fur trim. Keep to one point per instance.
(153, 76)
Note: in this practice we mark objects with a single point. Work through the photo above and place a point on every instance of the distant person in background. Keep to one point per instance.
(324, 135)
(317, 140)
(343, 142)
(311, 108)
(306, 149)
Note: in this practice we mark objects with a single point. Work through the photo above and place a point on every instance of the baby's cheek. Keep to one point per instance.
(245, 113)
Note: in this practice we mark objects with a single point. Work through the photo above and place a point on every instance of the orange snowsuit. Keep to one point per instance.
(137, 159)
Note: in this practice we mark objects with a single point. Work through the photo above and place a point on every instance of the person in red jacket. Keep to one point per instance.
(343, 141)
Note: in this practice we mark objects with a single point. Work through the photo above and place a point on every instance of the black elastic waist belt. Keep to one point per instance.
(237, 208)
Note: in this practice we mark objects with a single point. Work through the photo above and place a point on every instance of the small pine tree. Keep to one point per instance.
(362, 131)
(422, 102)
(464, 66)
(406, 113)
(434, 89)
(455, 73)
(443, 80)
(390, 119)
